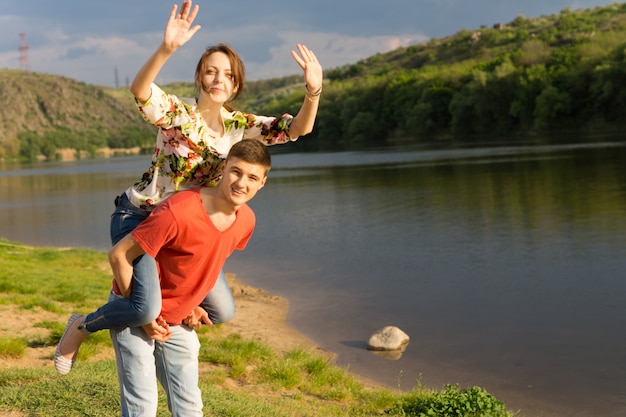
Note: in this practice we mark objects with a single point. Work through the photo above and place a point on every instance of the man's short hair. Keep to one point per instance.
(251, 151)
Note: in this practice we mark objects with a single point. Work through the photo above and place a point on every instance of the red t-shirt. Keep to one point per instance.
(189, 250)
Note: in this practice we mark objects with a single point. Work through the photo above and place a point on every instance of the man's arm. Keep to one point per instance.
(121, 257)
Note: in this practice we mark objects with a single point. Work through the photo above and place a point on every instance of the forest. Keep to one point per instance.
(546, 76)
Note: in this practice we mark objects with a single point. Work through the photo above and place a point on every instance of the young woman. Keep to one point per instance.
(193, 139)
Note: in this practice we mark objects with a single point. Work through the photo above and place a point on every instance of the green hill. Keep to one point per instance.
(45, 113)
(543, 76)
(546, 75)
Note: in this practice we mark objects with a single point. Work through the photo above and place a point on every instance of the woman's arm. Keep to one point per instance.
(121, 257)
(177, 32)
(303, 122)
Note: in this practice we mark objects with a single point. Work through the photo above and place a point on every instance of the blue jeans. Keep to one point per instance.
(141, 360)
(145, 303)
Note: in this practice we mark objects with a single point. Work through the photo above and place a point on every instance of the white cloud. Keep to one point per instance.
(92, 59)
(95, 59)
(332, 50)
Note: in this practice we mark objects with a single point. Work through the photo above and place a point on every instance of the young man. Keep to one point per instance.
(191, 235)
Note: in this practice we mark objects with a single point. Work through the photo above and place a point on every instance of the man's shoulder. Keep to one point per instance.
(184, 195)
(181, 199)
(245, 208)
(245, 213)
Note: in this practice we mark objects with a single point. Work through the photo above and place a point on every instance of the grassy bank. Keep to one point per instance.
(39, 287)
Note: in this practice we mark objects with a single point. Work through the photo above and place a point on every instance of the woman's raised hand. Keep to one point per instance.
(307, 60)
(178, 29)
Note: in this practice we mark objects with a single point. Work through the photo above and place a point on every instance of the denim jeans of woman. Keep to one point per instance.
(145, 302)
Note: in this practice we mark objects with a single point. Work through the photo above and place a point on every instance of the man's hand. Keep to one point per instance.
(158, 330)
(197, 316)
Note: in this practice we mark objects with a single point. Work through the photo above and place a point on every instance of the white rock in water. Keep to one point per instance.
(388, 338)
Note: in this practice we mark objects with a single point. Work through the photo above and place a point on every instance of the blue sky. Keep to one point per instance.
(91, 41)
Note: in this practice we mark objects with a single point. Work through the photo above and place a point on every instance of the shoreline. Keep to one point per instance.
(263, 316)
(259, 316)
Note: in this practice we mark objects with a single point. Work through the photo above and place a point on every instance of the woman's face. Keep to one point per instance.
(217, 80)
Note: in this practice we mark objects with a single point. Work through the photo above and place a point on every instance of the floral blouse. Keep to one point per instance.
(185, 155)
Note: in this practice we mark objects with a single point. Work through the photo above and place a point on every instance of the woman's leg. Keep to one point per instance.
(119, 313)
(141, 308)
(145, 302)
(219, 301)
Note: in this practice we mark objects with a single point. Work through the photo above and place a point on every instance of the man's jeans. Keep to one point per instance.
(141, 360)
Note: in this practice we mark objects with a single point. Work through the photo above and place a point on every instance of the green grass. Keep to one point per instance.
(12, 347)
(238, 377)
(52, 279)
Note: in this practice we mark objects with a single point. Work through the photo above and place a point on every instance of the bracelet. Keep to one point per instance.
(312, 94)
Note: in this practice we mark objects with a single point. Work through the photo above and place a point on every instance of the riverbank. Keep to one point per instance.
(260, 316)
(255, 364)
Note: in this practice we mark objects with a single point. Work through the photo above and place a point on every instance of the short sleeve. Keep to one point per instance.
(165, 110)
(159, 228)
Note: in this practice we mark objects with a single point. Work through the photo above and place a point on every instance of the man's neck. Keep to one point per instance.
(221, 212)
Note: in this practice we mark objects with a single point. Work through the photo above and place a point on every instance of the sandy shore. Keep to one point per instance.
(262, 316)
(259, 316)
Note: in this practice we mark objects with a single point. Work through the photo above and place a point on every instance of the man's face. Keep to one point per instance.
(241, 180)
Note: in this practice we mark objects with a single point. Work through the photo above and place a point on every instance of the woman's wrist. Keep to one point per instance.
(310, 93)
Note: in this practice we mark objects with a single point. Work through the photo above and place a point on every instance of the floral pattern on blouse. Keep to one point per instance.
(185, 155)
